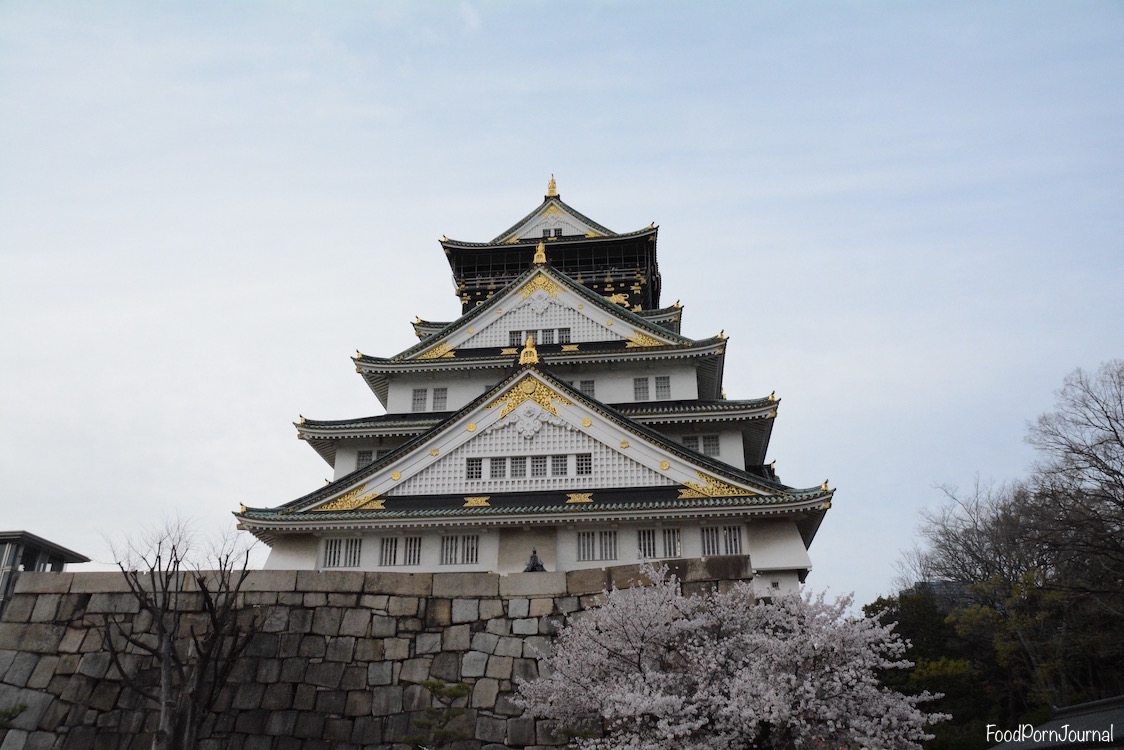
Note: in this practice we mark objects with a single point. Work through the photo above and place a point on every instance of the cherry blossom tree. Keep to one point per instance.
(651, 668)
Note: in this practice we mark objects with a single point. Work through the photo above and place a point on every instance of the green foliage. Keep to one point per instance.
(437, 724)
(8, 715)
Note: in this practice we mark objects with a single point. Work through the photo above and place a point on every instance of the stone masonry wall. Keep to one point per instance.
(337, 662)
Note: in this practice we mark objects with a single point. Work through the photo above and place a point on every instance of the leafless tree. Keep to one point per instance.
(191, 623)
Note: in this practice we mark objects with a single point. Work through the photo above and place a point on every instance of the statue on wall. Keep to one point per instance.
(534, 565)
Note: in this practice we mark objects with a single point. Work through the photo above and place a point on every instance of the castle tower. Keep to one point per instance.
(565, 412)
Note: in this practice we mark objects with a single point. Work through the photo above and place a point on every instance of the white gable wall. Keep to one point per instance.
(463, 388)
(542, 311)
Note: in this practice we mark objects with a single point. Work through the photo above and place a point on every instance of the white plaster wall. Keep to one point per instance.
(776, 545)
(463, 387)
(293, 553)
(487, 551)
(347, 452)
(776, 583)
(729, 440)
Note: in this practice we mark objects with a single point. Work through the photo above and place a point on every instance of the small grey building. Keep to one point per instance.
(20, 550)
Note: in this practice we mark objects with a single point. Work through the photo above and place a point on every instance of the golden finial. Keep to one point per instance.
(772, 396)
(302, 419)
(552, 188)
(824, 486)
(444, 238)
(529, 356)
(243, 510)
(652, 225)
(358, 354)
(723, 394)
(540, 254)
(773, 465)
(722, 334)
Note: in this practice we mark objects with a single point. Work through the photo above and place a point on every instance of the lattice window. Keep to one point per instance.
(546, 336)
(563, 335)
(440, 399)
(364, 459)
(710, 541)
(413, 551)
(538, 466)
(474, 468)
(546, 232)
(640, 389)
(646, 542)
(732, 536)
(710, 445)
(558, 232)
(463, 549)
(515, 338)
(342, 552)
(583, 464)
(388, 551)
(663, 387)
(607, 541)
(691, 441)
(421, 395)
(497, 468)
(559, 466)
(672, 545)
(597, 545)
(586, 387)
(518, 467)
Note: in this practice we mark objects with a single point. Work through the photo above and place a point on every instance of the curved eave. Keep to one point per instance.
(451, 246)
(324, 436)
(808, 509)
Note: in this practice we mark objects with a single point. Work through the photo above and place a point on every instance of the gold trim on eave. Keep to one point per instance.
(353, 500)
(478, 501)
(530, 390)
(579, 497)
(441, 351)
(711, 487)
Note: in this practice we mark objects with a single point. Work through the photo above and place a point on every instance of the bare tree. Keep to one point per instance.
(191, 623)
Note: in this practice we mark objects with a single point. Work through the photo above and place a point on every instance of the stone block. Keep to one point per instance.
(379, 673)
(19, 609)
(484, 692)
(498, 626)
(44, 583)
(588, 581)
(325, 674)
(525, 669)
(270, 580)
(533, 584)
(489, 729)
(490, 608)
(383, 627)
(427, 643)
(415, 670)
(402, 606)
(326, 620)
(473, 664)
(263, 645)
(310, 725)
(536, 647)
(38, 638)
(410, 625)
(456, 638)
(276, 620)
(395, 649)
(331, 701)
(518, 608)
(541, 607)
(102, 582)
(248, 696)
(520, 732)
(446, 666)
(337, 730)
(499, 667)
(386, 701)
(416, 698)
(551, 625)
(292, 670)
(20, 670)
(37, 704)
(336, 581)
(343, 600)
(313, 646)
(341, 648)
(506, 706)
(300, 620)
(508, 646)
(466, 610)
(438, 613)
(281, 723)
(277, 697)
(42, 674)
(73, 606)
(547, 733)
(314, 600)
(46, 607)
(368, 649)
(567, 604)
(453, 585)
(367, 731)
(528, 626)
(625, 576)
(374, 601)
(401, 584)
(358, 703)
(94, 665)
(485, 642)
(356, 622)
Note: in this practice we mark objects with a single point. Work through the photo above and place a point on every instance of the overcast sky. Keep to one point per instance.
(908, 219)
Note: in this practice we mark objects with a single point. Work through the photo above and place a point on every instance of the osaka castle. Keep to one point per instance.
(563, 421)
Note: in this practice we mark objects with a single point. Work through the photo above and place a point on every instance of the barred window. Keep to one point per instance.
(559, 465)
(497, 468)
(584, 464)
(586, 548)
(691, 441)
(671, 543)
(515, 338)
(413, 551)
(732, 536)
(563, 335)
(640, 389)
(646, 542)
(546, 233)
(365, 458)
(420, 396)
(538, 466)
(474, 468)
(663, 387)
(462, 549)
(547, 336)
(709, 541)
(586, 387)
(558, 232)
(518, 466)
(710, 445)
(388, 551)
(342, 552)
(607, 542)
(440, 399)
